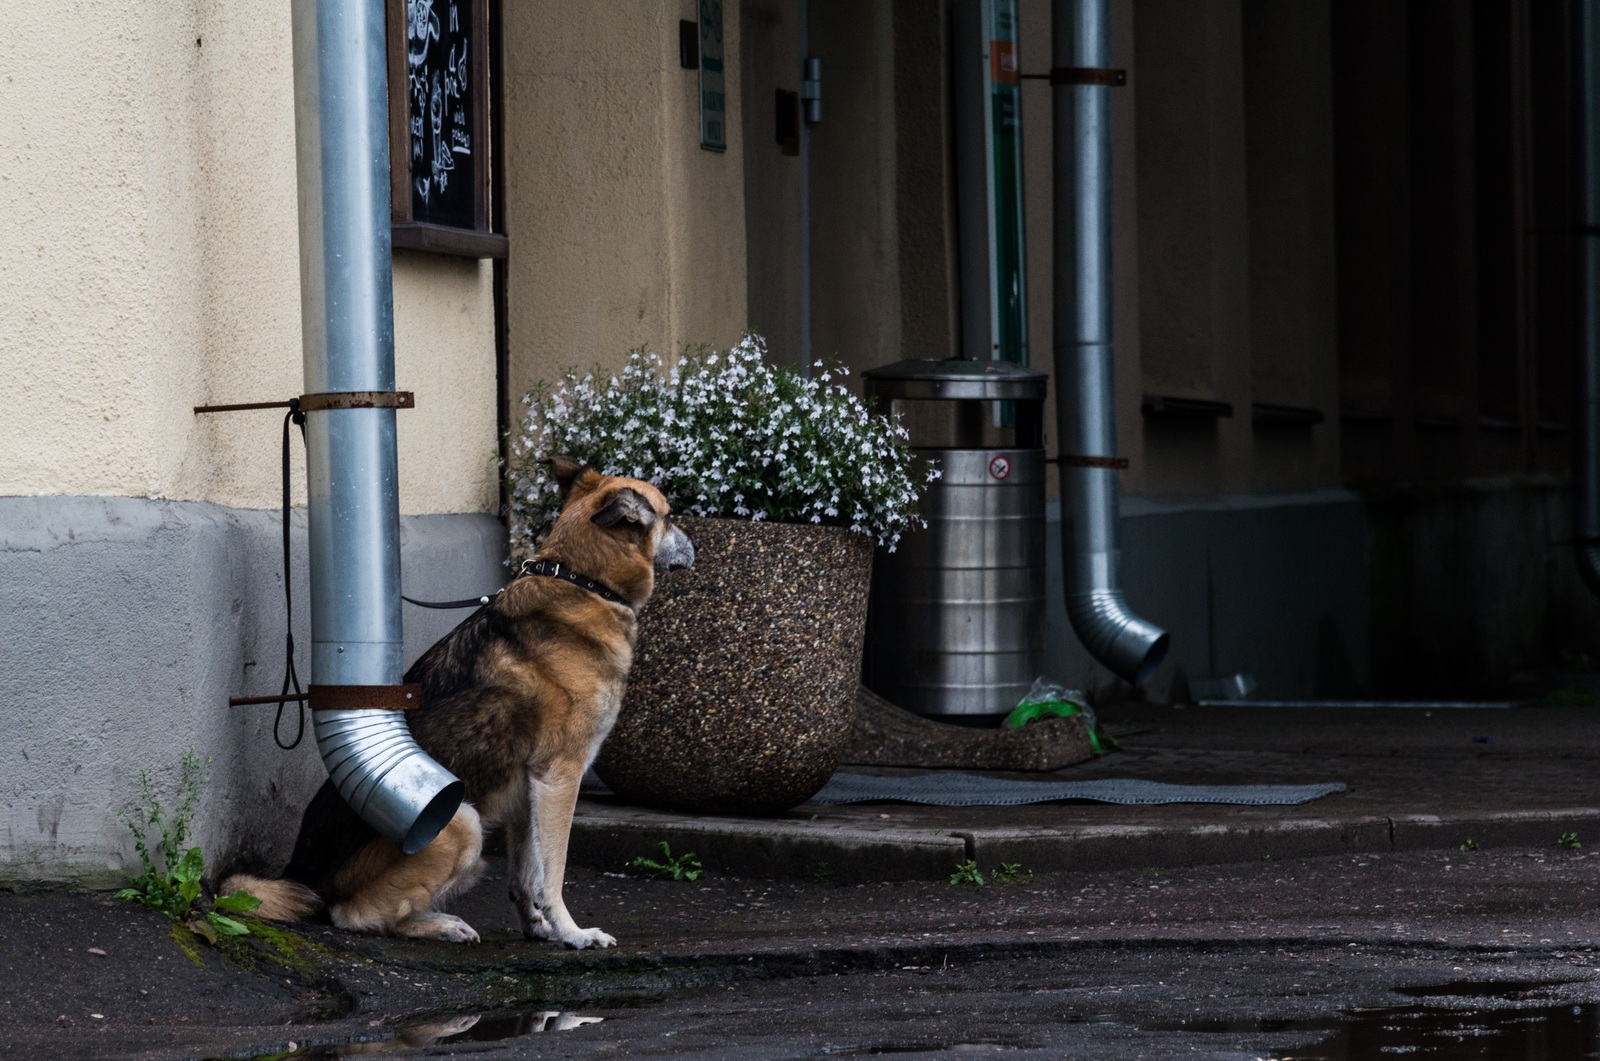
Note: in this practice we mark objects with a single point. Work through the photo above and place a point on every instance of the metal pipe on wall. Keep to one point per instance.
(1586, 482)
(352, 471)
(1085, 397)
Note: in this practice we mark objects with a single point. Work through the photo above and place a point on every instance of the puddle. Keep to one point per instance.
(1453, 1027)
(914, 1048)
(437, 1036)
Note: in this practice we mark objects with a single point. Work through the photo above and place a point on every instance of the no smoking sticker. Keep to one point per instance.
(1000, 467)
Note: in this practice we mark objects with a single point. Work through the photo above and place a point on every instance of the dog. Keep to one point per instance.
(516, 702)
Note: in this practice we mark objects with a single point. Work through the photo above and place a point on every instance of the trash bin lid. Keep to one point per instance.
(954, 379)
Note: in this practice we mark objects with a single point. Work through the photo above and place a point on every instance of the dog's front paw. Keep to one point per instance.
(584, 938)
(537, 926)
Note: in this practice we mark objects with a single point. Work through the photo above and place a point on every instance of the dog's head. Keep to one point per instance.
(614, 529)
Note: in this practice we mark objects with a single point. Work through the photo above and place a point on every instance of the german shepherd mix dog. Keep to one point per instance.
(516, 701)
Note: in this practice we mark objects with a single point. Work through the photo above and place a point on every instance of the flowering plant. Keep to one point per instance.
(721, 433)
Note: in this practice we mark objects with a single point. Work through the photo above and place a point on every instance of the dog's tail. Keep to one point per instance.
(281, 900)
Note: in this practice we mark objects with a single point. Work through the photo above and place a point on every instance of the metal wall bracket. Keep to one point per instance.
(366, 697)
(1082, 75)
(1072, 460)
(333, 400)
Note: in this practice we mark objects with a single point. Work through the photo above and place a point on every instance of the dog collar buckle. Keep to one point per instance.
(554, 569)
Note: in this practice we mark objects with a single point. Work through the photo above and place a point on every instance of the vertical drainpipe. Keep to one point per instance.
(1586, 480)
(1085, 397)
(352, 472)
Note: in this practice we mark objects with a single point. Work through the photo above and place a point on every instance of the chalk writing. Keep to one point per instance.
(439, 93)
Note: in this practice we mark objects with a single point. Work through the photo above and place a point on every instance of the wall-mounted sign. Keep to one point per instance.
(988, 111)
(438, 126)
(713, 92)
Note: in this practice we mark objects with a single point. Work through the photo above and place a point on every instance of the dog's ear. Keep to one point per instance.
(566, 473)
(626, 506)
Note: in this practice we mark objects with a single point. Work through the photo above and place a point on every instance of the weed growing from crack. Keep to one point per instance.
(1011, 873)
(170, 878)
(968, 873)
(1568, 841)
(681, 867)
(1469, 844)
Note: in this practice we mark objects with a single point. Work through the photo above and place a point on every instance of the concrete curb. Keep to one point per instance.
(608, 838)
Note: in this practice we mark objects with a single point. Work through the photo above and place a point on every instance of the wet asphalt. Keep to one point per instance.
(1487, 953)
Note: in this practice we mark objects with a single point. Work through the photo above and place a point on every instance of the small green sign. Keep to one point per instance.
(713, 95)
(1008, 295)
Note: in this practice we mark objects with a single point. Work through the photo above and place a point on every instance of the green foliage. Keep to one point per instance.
(681, 867)
(1568, 841)
(1566, 698)
(1469, 844)
(968, 873)
(170, 881)
(1011, 873)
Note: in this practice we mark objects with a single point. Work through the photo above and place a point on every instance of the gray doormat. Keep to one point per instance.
(971, 790)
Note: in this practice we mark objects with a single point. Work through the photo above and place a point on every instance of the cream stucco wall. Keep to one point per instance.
(624, 231)
(147, 215)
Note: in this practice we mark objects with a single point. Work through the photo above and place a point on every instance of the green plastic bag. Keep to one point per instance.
(1049, 699)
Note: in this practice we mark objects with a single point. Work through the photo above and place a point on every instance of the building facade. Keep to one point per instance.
(1343, 335)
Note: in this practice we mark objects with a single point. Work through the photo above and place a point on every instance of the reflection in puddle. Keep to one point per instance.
(465, 1028)
(1451, 1027)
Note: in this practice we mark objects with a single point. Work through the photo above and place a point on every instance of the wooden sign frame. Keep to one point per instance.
(478, 241)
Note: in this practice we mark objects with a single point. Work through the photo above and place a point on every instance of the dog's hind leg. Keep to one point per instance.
(386, 892)
(552, 798)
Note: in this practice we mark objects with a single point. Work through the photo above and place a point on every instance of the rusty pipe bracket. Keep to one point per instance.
(344, 698)
(1082, 75)
(310, 403)
(307, 403)
(366, 697)
(286, 698)
(1071, 460)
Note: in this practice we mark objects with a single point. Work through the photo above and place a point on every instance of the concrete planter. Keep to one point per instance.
(744, 682)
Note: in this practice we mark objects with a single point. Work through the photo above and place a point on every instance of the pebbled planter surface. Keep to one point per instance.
(743, 687)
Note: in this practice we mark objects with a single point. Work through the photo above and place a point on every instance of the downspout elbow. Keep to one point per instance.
(1129, 646)
(385, 776)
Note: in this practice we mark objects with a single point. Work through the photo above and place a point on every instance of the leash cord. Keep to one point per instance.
(290, 677)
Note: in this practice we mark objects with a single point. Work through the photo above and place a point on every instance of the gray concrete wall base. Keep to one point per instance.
(125, 625)
(1272, 585)
(1461, 592)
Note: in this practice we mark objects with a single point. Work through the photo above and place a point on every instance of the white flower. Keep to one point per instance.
(718, 425)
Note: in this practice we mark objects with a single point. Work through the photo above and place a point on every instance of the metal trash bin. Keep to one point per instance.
(955, 627)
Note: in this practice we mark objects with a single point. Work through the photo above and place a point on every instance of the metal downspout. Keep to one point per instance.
(347, 332)
(1085, 398)
(1586, 485)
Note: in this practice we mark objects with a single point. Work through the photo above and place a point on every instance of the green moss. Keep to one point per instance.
(187, 942)
(286, 945)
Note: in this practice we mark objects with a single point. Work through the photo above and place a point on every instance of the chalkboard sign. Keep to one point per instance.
(438, 128)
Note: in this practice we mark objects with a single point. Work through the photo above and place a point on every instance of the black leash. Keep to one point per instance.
(546, 568)
(468, 602)
(290, 678)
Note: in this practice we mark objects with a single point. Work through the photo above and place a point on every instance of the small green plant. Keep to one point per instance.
(680, 867)
(1566, 698)
(822, 873)
(170, 880)
(1568, 841)
(1469, 844)
(1010, 873)
(968, 873)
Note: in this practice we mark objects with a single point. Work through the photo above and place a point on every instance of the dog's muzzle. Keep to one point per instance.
(675, 552)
